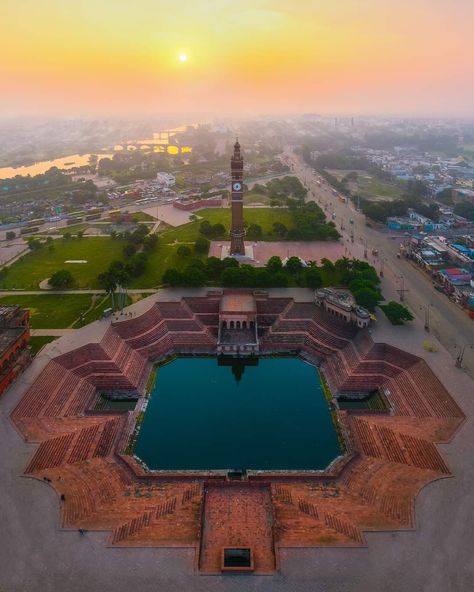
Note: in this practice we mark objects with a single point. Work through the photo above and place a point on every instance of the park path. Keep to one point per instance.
(51, 332)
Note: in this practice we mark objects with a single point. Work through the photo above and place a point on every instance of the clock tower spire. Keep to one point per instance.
(237, 233)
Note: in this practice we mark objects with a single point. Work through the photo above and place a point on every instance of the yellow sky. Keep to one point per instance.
(122, 57)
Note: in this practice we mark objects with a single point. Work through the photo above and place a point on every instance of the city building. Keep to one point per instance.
(165, 180)
(14, 338)
(341, 304)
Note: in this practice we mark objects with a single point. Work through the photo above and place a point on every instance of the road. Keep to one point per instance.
(443, 318)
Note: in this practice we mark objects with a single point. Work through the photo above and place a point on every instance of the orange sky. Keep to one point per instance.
(118, 57)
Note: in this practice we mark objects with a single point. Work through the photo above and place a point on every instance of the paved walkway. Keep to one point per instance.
(51, 332)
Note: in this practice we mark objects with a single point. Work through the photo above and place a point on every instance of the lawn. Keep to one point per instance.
(256, 198)
(369, 187)
(33, 268)
(37, 343)
(74, 228)
(99, 252)
(58, 311)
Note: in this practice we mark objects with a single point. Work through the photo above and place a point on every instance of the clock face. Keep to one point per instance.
(236, 186)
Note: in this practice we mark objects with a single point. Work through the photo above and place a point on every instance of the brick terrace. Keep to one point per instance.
(389, 458)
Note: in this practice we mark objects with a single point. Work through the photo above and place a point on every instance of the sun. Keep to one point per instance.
(183, 57)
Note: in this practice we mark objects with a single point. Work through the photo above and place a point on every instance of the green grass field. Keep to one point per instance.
(256, 198)
(33, 268)
(99, 252)
(74, 228)
(370, 187)
(58, 311)
(265, 217)
(36, 343)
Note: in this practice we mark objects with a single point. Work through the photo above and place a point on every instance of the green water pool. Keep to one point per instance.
(227, 414)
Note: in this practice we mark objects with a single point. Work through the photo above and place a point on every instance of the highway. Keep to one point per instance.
(442, 318)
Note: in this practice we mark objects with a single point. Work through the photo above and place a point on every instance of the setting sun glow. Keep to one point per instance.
(349, 56)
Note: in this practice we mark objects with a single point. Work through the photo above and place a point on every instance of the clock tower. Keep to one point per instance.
(237, 233)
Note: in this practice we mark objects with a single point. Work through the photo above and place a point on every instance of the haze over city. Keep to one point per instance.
(225, 57)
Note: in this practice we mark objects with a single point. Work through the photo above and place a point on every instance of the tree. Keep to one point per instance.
(194, 276)
(214, 267)
(367, 297)
(201, 246)
(254, 232)
(129, 250)
(183, 251)
(67, 236)
(134, 267)
(172, 277)
(150, 242)
(279, 280)
(80, 234)
(274, 264)
(230, 262)
(465, 209)
(280, 229)
(263, 278)
(260, 189)
(34, 244)
(205, 228)
(218, 230)
(396, 313)
(231, 277)
(294, 265)
(61, 280)
(313, 278)
(328, 265)
(10, 235)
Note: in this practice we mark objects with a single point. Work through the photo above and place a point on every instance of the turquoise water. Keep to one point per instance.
(264, 414)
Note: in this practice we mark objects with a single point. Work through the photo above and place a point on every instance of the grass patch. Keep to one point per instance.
(142, 217)
(73, 228)
(257, 198)
(58, 311)
(37, 343)
(264, 217)
(370, 188)
(32, 268)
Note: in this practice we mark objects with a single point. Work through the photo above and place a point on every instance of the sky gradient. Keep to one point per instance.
(118, 57)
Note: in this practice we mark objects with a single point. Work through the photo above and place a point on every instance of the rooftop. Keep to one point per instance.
(9, 336)
(238, 303)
